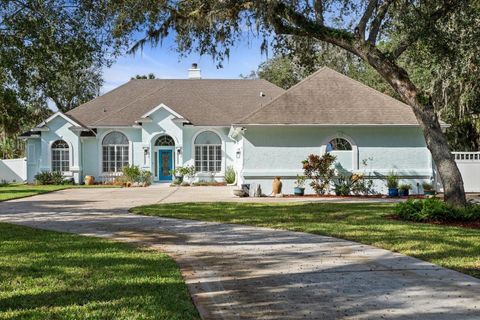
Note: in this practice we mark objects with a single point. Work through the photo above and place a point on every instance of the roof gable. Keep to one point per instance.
(62, 115)
(331, 98)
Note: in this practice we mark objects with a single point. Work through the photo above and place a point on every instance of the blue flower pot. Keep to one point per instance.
(403, 193)
(298, 191)
(392, 192)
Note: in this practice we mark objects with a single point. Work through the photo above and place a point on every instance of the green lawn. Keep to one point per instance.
(452, 247)
(15, 191)
(52, 275)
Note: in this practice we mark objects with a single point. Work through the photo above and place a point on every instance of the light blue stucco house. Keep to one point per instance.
(259, 129)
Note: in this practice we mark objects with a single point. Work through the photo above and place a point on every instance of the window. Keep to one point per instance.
(60, 156)
(114, 152)
(208, 152)
(339, 144)
(165, 141)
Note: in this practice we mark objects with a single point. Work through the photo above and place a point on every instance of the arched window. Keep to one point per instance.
(165, 141)
(208, 152)
(339, 144)
(114, 152)
(60, 156)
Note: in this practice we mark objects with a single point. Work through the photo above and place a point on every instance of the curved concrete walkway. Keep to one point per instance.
(239, 272)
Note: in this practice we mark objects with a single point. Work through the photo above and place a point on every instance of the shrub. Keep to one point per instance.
(354, 183)
(392, 180)
(435, 209)
(146, 177)
(343, 185)
(131, 173)
(300, 181)
(319, 170)
(427, 186)
(363, 187)
(405, 187)
(230, 175)
(189, 172)
(49, 177)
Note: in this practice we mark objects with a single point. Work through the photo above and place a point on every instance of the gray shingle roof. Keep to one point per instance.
(202, 102)
(328, 97)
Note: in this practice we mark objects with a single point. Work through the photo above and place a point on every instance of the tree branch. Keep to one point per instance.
(378, 20)
(318, 6)
(362, 25)
(286, 20)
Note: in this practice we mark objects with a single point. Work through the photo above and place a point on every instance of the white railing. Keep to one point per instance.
(466, 156)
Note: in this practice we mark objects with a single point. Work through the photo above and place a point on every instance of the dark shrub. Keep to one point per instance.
(435, 209)
(49, 177)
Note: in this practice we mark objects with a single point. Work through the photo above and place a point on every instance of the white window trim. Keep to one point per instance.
(100, 151)
(222, 147)
(70, 155)
(208, 156)
(323, 148)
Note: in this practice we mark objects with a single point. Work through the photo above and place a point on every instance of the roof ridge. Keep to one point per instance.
(127, 105)
(283, 93)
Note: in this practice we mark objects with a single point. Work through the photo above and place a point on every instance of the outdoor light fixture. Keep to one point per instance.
(179, 150)
(145, 150)
(239, 152)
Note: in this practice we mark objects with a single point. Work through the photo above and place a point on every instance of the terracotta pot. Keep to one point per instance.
(89, 180)
(276, 186)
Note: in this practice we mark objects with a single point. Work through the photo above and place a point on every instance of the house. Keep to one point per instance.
(259, 129)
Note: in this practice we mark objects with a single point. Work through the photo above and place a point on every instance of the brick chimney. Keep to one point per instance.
(194, 72)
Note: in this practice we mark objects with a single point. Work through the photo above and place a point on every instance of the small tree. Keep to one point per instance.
(320, 170)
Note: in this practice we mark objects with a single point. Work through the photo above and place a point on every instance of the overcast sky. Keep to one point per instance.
(166, 63)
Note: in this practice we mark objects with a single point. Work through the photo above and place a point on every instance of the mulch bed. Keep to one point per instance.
(332, 196)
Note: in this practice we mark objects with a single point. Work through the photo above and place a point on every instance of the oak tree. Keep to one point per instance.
(358, 26)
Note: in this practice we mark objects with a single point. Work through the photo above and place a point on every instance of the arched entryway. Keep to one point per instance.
(163, 158)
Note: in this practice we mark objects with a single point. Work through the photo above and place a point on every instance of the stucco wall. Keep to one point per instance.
(278, 151)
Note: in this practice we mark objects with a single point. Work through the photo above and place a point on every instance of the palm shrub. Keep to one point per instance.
(146, 177)
(230, 175)
(131, 173)
(319, 169)
(392, 180)
(49, 178)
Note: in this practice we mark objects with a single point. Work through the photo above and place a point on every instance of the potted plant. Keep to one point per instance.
(403, 190)
(299, 189)
(428, 189)
(392, 184)
(178, 174)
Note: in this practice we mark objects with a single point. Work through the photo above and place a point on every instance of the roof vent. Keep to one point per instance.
(262, 94)
(194, 72)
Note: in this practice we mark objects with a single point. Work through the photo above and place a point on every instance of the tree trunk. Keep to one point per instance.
(424, 112)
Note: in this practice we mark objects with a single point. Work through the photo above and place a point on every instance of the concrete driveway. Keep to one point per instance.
(239, 272)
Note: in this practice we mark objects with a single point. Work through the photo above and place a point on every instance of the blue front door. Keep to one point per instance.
(165, 160)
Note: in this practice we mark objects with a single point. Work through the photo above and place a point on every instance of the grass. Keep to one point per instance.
(52, 275)
(15, 191)
(451, 247)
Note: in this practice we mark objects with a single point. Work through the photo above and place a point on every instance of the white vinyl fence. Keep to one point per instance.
(469, 165)
(13, 170)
